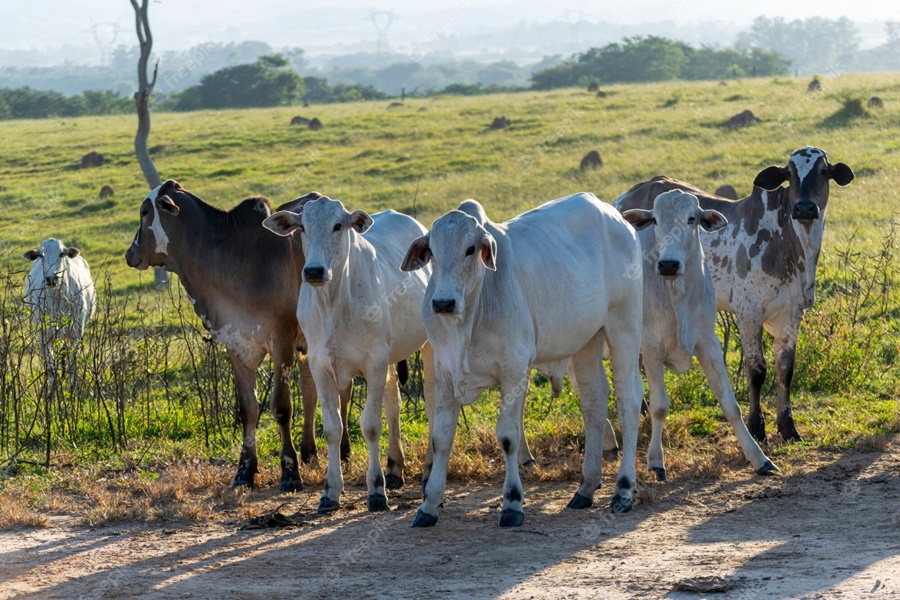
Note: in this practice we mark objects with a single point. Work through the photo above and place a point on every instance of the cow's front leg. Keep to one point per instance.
(755, 372)
(525, 457)
(428, 388)
(370, 423)
(282, 409)
(443, 430)
(785, 348)
(308, 450)
(509, 433)
(248, 411)
(659, 410)
(392, 402)
(329, 400)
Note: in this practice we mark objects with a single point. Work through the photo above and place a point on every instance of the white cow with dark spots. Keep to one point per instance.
(680, 314)
(532, 292)
(360, 314)
(60, 293)
(763, 263)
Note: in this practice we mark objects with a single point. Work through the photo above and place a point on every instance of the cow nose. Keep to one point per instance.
(314, 274)
(668, 268)
(443, 306)
(806, 211)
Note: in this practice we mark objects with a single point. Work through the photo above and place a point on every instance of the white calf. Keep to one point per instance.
(680, 314)
(532, 292)
(360, 314)
(60, 293)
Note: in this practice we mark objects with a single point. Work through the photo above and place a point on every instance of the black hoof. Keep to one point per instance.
(789, 434)
(377, 502)
(424, 520)
(528, 463)
(243, 478)
(660, 473)
(619, 505)
(327, 505)
(292, 485)
(767, 469)
(393, 482)
(308, 454)
(510, 517)
(757, 428)
(578, 502)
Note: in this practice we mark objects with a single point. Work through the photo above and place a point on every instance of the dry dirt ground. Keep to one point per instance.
(829, 530)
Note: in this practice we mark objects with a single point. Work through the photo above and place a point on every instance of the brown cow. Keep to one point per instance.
(763, 263)
(244, 282)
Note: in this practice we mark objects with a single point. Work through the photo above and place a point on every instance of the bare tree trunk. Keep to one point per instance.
(142, 104)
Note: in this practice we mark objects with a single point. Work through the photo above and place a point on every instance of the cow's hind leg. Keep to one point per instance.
(309, 397)
(659, 410)
(394, 475)
(248, 410)
(282, 410)
(370, 423)
(346, 396)
(593, 391)
(709, 354)
(784, 370)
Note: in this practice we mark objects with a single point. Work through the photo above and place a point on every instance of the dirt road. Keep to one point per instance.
(830, 531)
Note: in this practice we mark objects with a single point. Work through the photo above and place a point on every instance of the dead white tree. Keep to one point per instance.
(142, 104)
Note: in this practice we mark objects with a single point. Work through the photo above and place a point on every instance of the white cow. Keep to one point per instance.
(680, 314)
(360, 314)
(530, 293)
(60, 293)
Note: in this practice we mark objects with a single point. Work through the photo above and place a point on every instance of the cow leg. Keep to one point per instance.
(346, 395)
(395, 461)
(709, 354)
(513, 390)
(784, 370)
(248, 410)
(659, 410)
(610, 444)
(308, 450)
(524, 456)
(428, 385)
(443, 430)
(755, 371)
(593, 391)
(623, 331)
(329, 399)
(282, 410)
(370, 423)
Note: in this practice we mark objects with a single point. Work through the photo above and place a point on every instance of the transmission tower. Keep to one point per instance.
(382, 21)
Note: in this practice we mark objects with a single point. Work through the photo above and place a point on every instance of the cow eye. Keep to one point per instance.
(470, 251)
(145, 212)
(691, 220)
(337, 227)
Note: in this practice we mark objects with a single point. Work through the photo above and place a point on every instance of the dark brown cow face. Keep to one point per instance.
(808, 174)
(151, 242)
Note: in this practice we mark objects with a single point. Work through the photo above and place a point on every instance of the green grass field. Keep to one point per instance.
(423, 159)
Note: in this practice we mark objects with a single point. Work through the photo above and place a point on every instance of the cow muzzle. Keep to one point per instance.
(443, 306)
(134, 260)
(316, 275)
(669, 268)
(805, 211)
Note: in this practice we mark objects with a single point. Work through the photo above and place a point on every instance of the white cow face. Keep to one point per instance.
(808, 173)
(325, 227)
(675, 217)
(461, 250)
(151, 242)
(52, 254)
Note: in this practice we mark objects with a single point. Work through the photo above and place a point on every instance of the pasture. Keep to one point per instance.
(144, 443)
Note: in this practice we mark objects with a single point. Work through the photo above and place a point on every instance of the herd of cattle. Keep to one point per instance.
(558, 289)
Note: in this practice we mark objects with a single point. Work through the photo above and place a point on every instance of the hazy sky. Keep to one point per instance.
(178, 24)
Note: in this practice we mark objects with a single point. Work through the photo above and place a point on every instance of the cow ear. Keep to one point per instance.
(639, 218)
(712, 220)
(71, 252)
(165, 203)
(282, 223)
(32, 255)
(170, 185)
(417, 256)
(488, 251)
(770, 178)
(360, 221)
(841, 173)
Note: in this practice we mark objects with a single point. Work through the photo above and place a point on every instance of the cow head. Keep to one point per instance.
(676, 216)
(325, 229)
(151, 242)
(461, 250)
(808, 173)
(52, 255)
